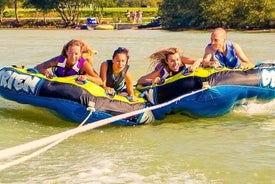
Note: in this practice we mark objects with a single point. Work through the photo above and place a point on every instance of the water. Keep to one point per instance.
(236, 148)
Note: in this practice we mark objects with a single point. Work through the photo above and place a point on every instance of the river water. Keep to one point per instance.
(238, 147)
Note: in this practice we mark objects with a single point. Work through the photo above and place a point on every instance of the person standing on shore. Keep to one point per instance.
(128, 15)
(139, 16)
(134, 16)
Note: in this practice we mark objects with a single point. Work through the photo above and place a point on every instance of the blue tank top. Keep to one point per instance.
(230, 60)
(62, 71)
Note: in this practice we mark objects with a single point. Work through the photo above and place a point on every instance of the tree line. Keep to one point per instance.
(176, 14)
(69, 10)
(205, 14)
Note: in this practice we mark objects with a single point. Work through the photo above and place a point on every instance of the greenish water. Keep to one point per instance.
(236, 148)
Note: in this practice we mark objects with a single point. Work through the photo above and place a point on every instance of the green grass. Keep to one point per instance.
(110, 15)
(84, 12)
(124, 9)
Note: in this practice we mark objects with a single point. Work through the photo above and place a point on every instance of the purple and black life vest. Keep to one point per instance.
(62, 71)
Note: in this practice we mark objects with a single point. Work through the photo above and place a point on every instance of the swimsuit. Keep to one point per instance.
(116, 82)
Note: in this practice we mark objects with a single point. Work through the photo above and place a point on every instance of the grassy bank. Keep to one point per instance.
(31, 18)
(110, 14)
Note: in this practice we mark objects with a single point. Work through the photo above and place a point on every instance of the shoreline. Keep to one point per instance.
(56, 24)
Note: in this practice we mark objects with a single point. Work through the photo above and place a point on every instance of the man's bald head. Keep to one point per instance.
(219, 32)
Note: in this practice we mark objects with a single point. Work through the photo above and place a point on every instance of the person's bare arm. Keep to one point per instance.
(103, 73)
(209, 59)
(241, 55)
(150, 78)
(196, 64)
(129, 87)
(43, 67)
(208, 54)
(103, 76)
(186, 60)
(91, 74)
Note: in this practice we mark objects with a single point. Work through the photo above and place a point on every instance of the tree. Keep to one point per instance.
(15, 4)
(217, 13)
(67, 9)
(2, 9)
(16, 11)
(42, 5)
(184, 14)
(252, 14)
(99, 5)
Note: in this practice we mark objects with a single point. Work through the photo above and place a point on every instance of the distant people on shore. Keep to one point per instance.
(128, 15)
(224, 53)
(139, 16)
(134, 16)
(75, 59)
(167, 63)
(119, 20)
(115, 75)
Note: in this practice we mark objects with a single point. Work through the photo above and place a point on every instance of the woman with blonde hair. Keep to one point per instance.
(167, 62)
(88, 52)
(71, 61)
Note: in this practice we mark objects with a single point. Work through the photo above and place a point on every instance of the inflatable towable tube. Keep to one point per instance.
(224, 89)
(68, 97)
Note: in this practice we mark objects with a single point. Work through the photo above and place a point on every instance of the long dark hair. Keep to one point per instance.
(121, 50)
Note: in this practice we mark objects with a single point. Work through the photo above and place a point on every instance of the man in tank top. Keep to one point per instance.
(224, 53)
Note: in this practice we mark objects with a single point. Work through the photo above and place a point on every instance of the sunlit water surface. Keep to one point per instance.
(236, 148)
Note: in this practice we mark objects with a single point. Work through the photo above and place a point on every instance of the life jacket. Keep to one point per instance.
(116, 82)
(230, 60)
(61, 71)
(165, 72)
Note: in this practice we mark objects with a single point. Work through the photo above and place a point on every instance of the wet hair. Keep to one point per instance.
(86, 51)
(69, 44)
(160, 57)
(122, 50)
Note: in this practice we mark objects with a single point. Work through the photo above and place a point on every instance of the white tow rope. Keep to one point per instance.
(38, 152)
(50, 141)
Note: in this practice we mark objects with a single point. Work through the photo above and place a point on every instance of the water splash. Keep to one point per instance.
(255, 107)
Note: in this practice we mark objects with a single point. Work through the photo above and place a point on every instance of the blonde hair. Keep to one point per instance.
(160, 57)
(86, 51)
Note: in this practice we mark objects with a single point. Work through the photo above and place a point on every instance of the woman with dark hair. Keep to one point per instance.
(115, 75)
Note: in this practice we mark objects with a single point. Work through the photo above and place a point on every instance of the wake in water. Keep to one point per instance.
(258, 109)
(254, 107)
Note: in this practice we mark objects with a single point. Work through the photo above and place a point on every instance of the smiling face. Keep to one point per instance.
(73, 54)
(174, 62)
(119, 62)
(218, 38)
